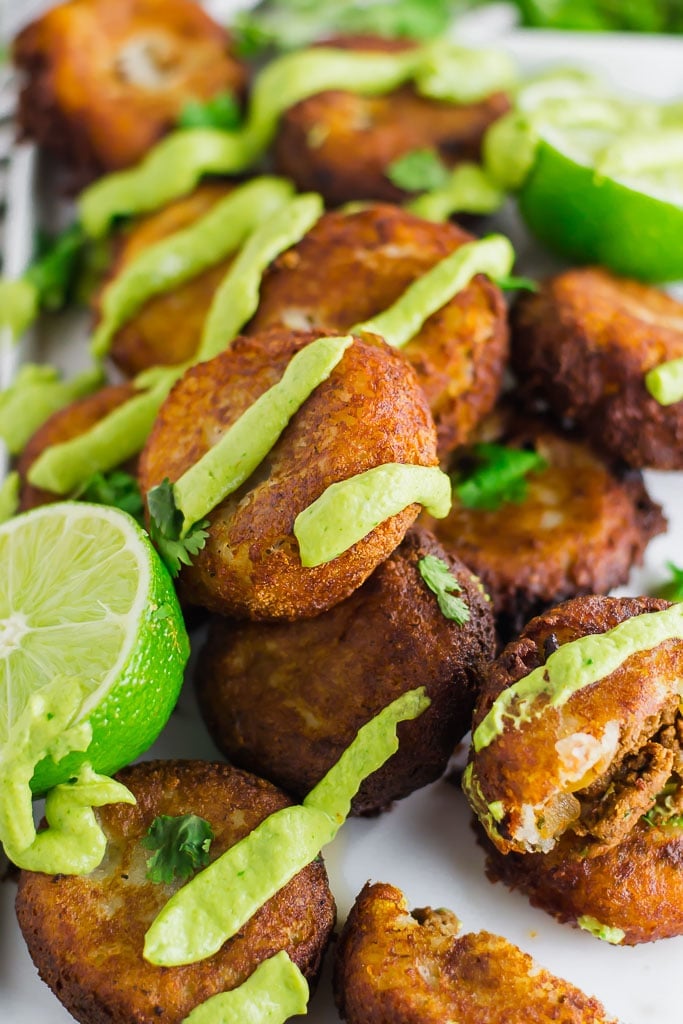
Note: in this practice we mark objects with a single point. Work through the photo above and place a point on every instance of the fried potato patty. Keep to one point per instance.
(340, 144)
(636, 887)
(62, 426)
(584, 344)
(285, 700)
(168, 327)
(590, 763)
(103, 81)
(350, 267)
(580, 528)
(410, 967)
(370, 411)
(86, 934)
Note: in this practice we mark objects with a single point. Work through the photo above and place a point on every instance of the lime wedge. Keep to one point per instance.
(84, 595)
(598, 219)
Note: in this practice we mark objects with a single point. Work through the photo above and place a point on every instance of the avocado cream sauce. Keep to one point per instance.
(576, 665)
(214, 905)
(276, 991)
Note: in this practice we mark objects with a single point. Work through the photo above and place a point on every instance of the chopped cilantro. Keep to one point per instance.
(498, 477)
(117, 488)
(672, 590)
(182, 846)
(55, 270)
(220, 111)
(166, 524)
(511, 283)
(441, 581)
(288, 24)
(421, 170)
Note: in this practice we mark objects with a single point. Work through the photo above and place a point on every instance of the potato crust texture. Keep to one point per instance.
(580, 529)
(86, 934)
(104, 81)
(411, 967)
(636, 887)
(591, 765)
(584, 344)
(350, 267)
(285, 700)
(370, 411)
(72, 421)
(168, 328)
(317, 135)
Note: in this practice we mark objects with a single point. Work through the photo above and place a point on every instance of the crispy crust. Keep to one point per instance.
(168, 328)
(409, 967)
(591, 765)
(104, 81)
(370, 411)
(85, 934)
(350, 267)
(581, 528)
(317, 135)
(64, 425)
(286, 700)
(584, 344)
(637, 886)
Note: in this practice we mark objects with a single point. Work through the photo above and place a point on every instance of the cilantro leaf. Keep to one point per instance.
(54, 271)
(166, 523)
(219, 111)
(510, 283)
(182, 846)
(499, 476)
(117, 488)
(421, 170)
(672, 590)
(441, 581)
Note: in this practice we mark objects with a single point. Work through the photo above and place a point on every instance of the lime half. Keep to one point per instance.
(594, 219)
(84, 595)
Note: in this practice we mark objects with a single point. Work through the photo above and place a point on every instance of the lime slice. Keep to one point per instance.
(84, 595)
(597, 219)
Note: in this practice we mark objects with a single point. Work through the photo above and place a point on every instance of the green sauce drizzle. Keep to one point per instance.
(231, 461)
(401, 322)
(9, 496)
(237, 297)
(201, 916)
(19, 306)
(576, 665)
(276, 991)
(615, 936)
(469, 189)
(176, 164)
(665, 382)
(117, 437)
(187, 253)
(349, 510)
(74, 842)
(35, 394)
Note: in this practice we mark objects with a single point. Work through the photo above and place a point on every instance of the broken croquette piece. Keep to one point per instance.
(411, 967)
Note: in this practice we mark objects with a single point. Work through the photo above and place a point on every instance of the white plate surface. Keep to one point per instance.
(425, 845)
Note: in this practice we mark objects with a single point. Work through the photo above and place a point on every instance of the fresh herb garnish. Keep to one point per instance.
(55, 270)
(220, 111)
(182, 846)
(510, 283)
(500, 476)
(441, 581)
(288, 24)
(421, 170)
(117, 488)
(166, 524)
(672, 590)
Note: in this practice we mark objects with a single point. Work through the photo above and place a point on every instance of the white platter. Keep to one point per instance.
(425, 844)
